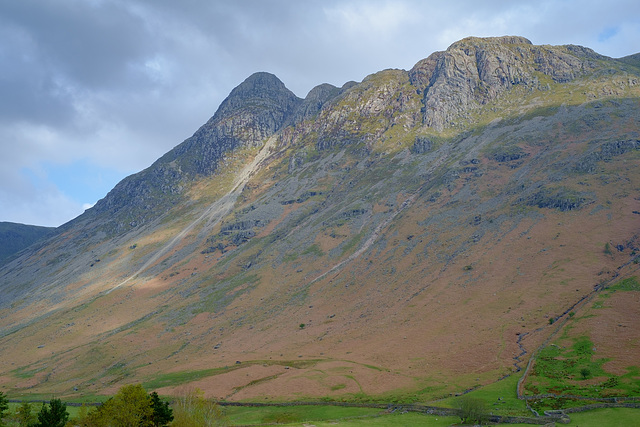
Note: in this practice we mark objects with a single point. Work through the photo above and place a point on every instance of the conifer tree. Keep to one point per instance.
(4, 406)
(55, 415)
(162, 413)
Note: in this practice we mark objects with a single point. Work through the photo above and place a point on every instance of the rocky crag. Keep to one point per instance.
(411, 233)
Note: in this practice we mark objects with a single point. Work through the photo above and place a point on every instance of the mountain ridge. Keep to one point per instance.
(418, 228)
(219, 128)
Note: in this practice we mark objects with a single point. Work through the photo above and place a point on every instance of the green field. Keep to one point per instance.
(409, 419)
(606, 417)
(294, 414)
(321, 415)
(35, 408)
(500, 398)
(570, 365)
(324, 416)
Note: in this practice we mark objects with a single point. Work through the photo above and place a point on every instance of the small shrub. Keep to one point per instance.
(472, 409)
(585, 373)
(191, 409)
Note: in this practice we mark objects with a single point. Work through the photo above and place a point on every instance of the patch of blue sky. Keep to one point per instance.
(81, 181)
(608, 33)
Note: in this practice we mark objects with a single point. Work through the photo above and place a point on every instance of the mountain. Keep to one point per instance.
(413, 235)
(15, 237)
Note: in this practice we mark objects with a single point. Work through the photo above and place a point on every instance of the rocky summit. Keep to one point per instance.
(415, 235)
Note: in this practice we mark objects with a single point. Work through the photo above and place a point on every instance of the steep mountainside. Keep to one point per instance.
(418, 233)
(253, 111)
(15, 237)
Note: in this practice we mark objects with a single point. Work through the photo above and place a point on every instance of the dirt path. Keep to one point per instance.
(371, 240)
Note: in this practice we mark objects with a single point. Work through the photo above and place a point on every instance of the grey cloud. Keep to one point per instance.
(88, 43)
(120, 82)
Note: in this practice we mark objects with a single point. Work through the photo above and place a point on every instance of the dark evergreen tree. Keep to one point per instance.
(54, 415)
(162, 413)
(4, 406)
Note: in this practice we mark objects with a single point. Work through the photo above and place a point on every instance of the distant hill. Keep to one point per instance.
(15, 237)
(632, 59)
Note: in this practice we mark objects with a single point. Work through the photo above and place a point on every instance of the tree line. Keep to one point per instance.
(131, 406)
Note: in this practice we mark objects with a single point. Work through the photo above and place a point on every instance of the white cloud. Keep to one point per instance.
(373, 18)
(45, 206)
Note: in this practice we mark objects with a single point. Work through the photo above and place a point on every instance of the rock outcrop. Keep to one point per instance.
(474, 71)
(253, 111)
(315, 99)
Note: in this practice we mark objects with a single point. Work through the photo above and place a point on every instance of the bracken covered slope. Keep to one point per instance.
(418, 233)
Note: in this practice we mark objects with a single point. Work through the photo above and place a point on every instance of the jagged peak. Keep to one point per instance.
(452, 83)
(423, 70)
(258, 86)
(258, 83)
(315, 99)
(475, 70)
(484, 41)
(320, 91)
(584, 52)
(348, 85)
(253, 111)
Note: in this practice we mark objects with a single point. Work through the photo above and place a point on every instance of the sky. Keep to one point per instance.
(94, 90)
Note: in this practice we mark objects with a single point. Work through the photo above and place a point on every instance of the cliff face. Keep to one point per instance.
(415, 227)
(474, 71)
(254, 111)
